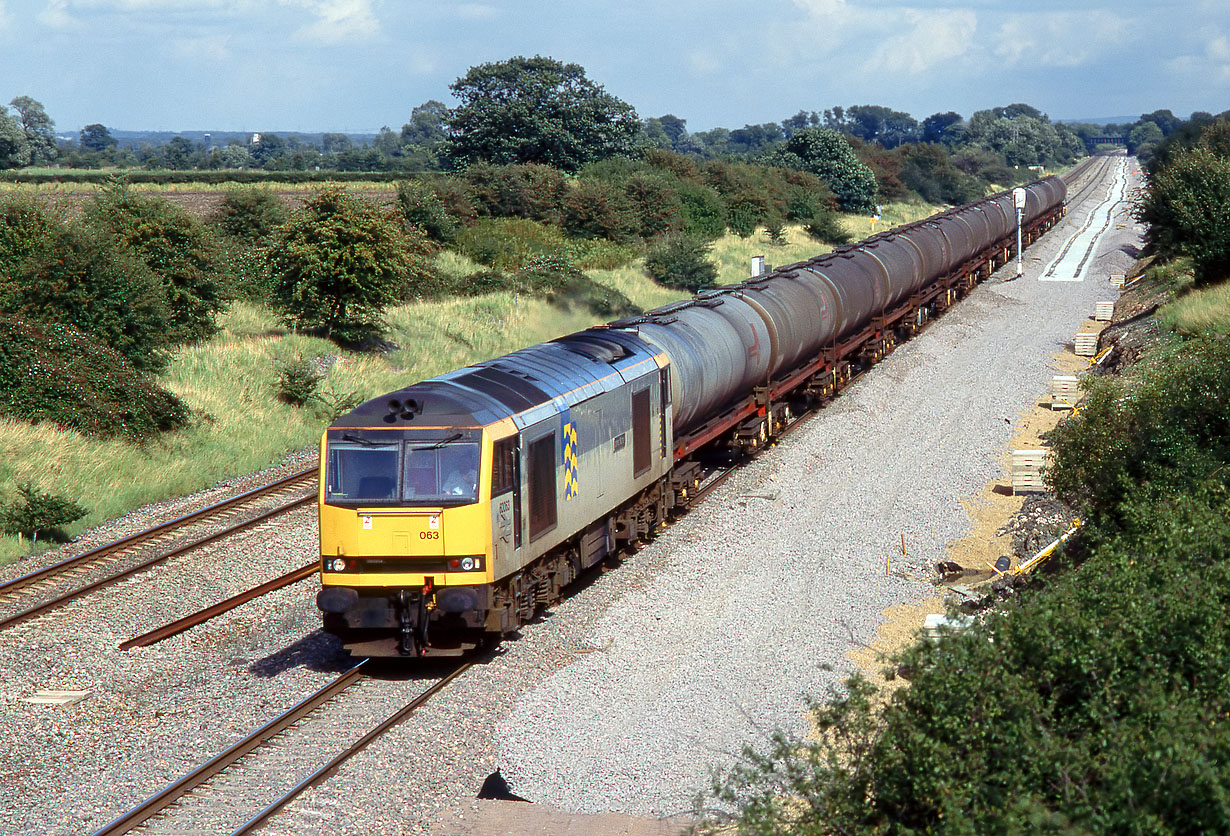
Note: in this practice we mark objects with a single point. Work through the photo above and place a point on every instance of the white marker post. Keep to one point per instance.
(1018, 198)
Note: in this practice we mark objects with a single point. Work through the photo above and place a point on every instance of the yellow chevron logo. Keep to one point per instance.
(572, 486)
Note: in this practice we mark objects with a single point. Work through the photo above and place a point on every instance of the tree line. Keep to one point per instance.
(539, 110)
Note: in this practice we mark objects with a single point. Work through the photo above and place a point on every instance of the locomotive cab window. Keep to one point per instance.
(441, 473)
(504, 466)
(365, 467)
(364, 472)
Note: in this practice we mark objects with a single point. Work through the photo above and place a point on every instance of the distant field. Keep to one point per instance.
(229, 381)
(200, 199)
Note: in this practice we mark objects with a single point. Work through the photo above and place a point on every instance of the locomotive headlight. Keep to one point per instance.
(467, 563)
(337, 565)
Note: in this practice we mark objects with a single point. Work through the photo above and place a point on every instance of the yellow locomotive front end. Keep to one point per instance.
(405, 537)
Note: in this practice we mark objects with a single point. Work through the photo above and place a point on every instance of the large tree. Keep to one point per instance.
(537, 110)
(38, 128)
(14, 148)
(97, 138)
(825, 153)
(428, 124)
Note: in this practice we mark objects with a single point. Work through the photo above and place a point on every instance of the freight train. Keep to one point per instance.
(454, 508)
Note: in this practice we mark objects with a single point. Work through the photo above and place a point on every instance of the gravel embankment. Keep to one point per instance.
(621, 697)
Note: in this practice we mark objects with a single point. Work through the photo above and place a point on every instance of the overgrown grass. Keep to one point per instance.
(230, 381)
(1195, 312)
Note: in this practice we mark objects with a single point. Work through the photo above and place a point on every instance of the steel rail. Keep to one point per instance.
(187, 622)
(148, 534)
(153, 561)
(356, 747)
(165, 797)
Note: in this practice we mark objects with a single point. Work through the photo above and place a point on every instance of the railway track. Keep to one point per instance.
(237, 790)
(46, 589)
(1086, 176)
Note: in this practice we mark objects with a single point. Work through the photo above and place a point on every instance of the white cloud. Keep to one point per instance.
(703, 62)
(476, 11)
(56, 15)
(337, 21)
(932, 39)
(1218, 49)
(205, 48)
(1213, 64)
(1061, 39)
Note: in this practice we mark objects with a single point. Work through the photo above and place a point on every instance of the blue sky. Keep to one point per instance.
(355, 65)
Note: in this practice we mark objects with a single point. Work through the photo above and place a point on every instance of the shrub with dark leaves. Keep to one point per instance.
(56, 374)
(681, 261)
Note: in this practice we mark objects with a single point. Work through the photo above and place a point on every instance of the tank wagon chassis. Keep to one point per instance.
(592, 441)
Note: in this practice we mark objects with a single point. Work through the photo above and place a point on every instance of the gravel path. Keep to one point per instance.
(622, 696)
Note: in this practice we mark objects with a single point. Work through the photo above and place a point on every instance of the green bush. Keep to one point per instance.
(1163, 434)
(704, 211)
(250, 214)
(656, 202)
(246, 269)
(744, 212)
(682, 261)
(339, 262)
(27, 227)
(775, 231)
(930, 172)
(483, 281)
(422, 207)
(34, 511)
(597, 209)
(83, 279)
(531, 191)
(1187, 207)
(825, 226)
(456, 198)
(175, 246)
(298, 381)
(57, 374)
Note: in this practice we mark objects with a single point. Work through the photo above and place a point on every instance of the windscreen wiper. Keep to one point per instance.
(438, 444)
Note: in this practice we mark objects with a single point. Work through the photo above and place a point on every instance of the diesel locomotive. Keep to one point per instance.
(456, 507)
